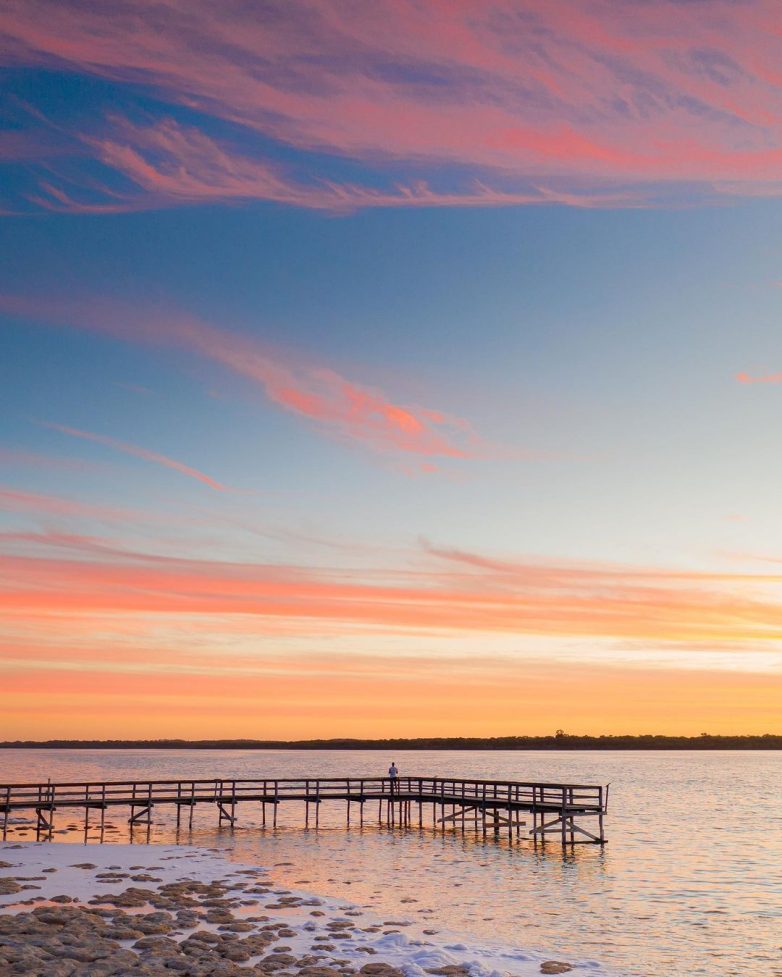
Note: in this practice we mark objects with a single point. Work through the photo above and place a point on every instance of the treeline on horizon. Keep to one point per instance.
(558, 741)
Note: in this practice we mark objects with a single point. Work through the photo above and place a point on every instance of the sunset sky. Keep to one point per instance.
(401, 368)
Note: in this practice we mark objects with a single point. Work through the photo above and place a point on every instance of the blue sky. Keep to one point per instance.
(453, 344)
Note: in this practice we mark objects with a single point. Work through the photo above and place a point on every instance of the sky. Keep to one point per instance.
(402, 369)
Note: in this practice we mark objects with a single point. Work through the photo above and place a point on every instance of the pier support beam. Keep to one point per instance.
(136, 816)
(224, 814)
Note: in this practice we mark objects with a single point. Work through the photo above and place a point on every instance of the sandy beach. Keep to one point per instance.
(68, 910)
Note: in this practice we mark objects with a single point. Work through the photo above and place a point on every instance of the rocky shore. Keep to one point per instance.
(63, 917)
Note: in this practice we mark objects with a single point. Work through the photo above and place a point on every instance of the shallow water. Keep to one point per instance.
(690, 881)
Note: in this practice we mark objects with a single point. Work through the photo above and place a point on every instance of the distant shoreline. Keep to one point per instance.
(561, 741)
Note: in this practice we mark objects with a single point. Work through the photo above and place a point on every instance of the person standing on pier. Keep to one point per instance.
(393, 774)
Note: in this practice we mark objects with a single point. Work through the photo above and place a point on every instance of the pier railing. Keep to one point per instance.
(79, 793)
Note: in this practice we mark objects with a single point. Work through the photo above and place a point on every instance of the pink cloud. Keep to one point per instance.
(581, 99)
(171, 164)
(343, 408)
(349, 410)
(138, 452)
(769, 378)
(15, 500)
(554, 599)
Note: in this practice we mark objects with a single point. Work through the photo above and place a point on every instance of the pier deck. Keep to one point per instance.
(488, 806)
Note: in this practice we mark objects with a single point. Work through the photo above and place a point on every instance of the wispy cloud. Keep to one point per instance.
(347, 409)
(96, 632)
(169, 164)
(768, 378)
(37, 503)
(508, 101)
(137, 452)
(546, 599)
(338, 406)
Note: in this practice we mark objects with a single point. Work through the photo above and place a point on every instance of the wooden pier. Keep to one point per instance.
(483, 806)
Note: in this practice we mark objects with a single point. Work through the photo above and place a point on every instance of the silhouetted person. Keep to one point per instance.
(393, 774)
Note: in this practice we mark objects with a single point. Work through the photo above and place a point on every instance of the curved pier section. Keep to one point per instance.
(535, 810)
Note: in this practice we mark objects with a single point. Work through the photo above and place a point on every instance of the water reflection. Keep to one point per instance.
(690, 881)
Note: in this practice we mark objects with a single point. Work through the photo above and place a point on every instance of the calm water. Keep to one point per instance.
(689, 883)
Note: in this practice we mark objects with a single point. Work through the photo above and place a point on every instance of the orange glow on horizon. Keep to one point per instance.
(195, 648)
(533, 699)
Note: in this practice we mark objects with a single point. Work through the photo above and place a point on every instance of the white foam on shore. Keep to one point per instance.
(403, 946)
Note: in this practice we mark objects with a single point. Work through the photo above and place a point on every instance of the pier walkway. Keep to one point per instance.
(483, 806)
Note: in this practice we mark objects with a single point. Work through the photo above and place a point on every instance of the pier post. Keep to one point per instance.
(510, 817)
(442, 806)
(536, 818)
(572, 823)
(562, 817)
(87, 811)
(603, 802)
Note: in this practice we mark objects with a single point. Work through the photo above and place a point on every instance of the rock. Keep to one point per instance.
(235, 952)
(61, 968)
(274, 962)
(555, 967)
(152, 924)
(87, 953)
(123, 933)
(258, 943)
(380, 970)
(237, 927)
(157, 946)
